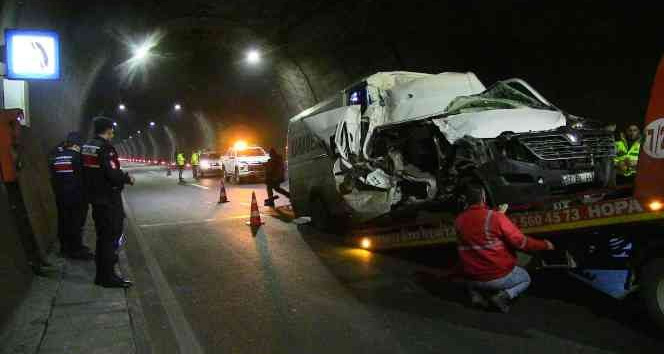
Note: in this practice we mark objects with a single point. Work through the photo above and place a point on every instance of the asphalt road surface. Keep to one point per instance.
(205, 283)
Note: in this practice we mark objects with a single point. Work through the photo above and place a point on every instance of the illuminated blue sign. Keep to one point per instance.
(32, 54)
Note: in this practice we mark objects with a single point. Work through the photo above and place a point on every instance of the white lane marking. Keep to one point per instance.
(189, 222)
(184, 334)
(199, 186)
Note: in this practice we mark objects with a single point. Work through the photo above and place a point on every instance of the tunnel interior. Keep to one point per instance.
(597, 64)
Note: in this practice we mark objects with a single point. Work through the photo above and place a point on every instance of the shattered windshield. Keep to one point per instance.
(502, 95)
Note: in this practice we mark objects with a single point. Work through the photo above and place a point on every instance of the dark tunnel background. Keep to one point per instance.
(593, 59)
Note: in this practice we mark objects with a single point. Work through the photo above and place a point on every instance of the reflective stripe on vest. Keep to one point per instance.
(90, 155)
(491, 243)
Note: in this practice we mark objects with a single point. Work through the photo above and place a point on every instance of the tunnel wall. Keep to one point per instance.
(597, 65)
(55, 108)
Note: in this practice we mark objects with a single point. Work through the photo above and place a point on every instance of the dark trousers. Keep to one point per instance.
(180, 170)
(194, 171)
(275, 186)
(71, 219)
(109, 222)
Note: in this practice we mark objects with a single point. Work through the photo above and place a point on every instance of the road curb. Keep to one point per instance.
(136, 315)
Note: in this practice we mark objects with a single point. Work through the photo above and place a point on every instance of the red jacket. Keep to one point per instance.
(487, 243)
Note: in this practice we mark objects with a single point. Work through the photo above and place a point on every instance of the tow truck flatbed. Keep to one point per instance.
(439, 228)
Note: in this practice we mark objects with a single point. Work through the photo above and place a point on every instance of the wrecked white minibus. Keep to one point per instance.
(400, 141)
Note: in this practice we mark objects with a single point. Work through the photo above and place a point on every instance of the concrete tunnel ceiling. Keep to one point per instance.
(588, 63)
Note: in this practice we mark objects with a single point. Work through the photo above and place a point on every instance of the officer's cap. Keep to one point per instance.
(74, 138)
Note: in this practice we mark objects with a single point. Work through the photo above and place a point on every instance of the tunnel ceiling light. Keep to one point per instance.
(138, 132)
(115, 124)
(177, 107)
(253, 56)
(141, 52)
(152, 124)
(122, 107)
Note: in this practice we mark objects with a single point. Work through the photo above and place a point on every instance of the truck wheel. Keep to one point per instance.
(652, 289)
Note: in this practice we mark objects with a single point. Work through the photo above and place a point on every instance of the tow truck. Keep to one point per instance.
(612, 241)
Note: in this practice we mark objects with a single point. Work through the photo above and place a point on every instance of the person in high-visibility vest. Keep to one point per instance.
(627, 153)
(194, 164)
(180, 162)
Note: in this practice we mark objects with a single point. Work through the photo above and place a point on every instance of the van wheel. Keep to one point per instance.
(652, 289)
(321, 218)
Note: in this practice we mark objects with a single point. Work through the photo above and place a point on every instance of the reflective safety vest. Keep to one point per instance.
(194, 159)
(625, 152)
(180, 160)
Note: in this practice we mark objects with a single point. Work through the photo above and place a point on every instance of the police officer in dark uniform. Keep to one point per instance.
(274, 176)
(67, 181)
(104, 181)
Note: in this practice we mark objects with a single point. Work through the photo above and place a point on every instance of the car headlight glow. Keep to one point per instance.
(205, 164)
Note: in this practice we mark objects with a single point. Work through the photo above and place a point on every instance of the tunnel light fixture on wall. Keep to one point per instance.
(122, 107)
(177, 107)
(253, 56)
(32, 54)
(115, 124)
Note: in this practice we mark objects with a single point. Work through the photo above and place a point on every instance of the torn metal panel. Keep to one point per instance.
(491, 123)
(387, 80)
(348, 136)
(324, 125)
(430, 96)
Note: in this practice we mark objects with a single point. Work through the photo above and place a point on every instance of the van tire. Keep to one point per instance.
(652, 289)
(321, 218)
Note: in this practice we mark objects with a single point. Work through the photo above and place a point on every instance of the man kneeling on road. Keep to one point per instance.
(487, 245)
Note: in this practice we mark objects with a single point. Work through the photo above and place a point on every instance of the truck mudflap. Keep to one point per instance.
(617, 283)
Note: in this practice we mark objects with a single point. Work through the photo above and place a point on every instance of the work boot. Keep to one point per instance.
(42, 268)
(478, 300)
(112, 282)
(501, 300)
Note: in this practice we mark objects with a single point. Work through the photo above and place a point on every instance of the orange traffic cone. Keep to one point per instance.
(222, 193)
(255, 218)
